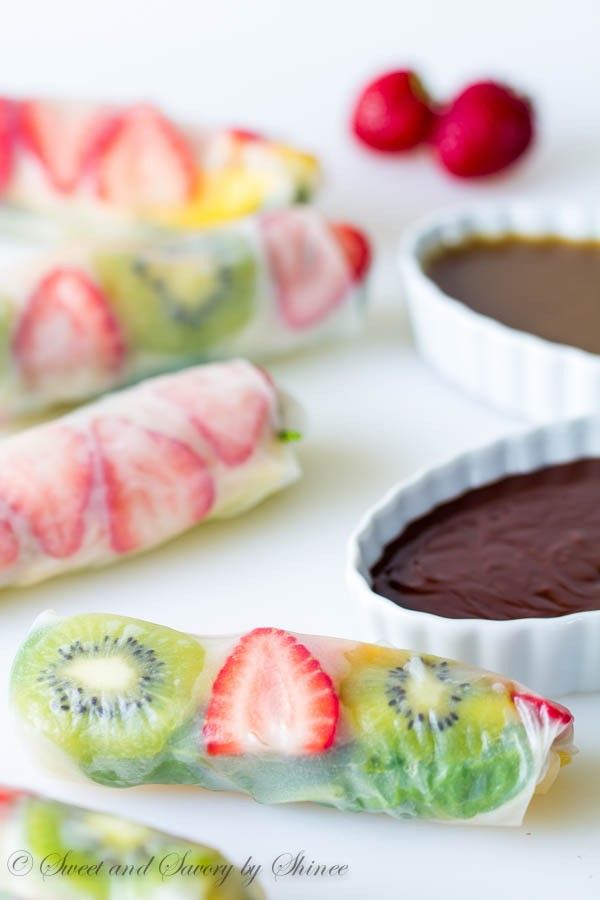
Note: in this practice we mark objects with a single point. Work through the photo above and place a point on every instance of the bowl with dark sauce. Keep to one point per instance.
(505, 302)
(494, 558)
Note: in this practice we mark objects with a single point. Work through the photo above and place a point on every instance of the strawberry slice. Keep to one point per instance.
(9, 545)
(8, 798)
(271, 696)
(146, 162)
(156, 486)
(7, 141)
(246, 136)
(311, 275)
(356, 248)
(47, 479)
(67, 330)
(64, 137)
(546, 709)
(228, 405)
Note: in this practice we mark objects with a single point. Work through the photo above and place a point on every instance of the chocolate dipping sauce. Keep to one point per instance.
(546, 286)
(525, 546)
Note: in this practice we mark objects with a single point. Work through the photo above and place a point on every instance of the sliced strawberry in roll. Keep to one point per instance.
(146, 162)
(156, 486)
(7, 141)
(9, 797)
(545, 710)
(47, 482)
(9, 545)
(66, 330)
(64, 136)
(356, 248)
(271, 695)
(310, 266)
(229, 406)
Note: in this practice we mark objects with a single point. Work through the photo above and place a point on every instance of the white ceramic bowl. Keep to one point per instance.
(515, 371)
(553, 655)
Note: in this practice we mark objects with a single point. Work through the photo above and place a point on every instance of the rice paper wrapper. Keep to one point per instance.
(101, 163)
(141, 466)
(285, 718)
(56, 851)
(82, 315)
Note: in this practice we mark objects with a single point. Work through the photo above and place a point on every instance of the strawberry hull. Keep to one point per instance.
(289, 717)
(99, 849)
(138, 468)
(78, 318)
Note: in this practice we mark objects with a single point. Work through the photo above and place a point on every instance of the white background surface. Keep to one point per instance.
(376, 413)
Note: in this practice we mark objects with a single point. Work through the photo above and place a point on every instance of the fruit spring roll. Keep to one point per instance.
(96, 161)
(79, 854)
(139, 467)
(78, 318)
(286, 717)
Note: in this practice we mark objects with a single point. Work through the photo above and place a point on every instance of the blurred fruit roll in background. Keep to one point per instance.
(79, 854)
(139, 467)
(95, 160)
(286, 717)
(78, 317)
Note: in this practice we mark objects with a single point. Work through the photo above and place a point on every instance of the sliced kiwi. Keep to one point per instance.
(53, 831)
(130, 855)
(181, 298)
(108, 690)
(434, 739)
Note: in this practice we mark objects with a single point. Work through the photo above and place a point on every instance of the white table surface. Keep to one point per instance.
(376, 412)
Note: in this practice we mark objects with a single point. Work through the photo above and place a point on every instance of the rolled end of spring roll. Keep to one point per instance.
(68, 852)
(81, 317)
(287, 717)
(140, 467)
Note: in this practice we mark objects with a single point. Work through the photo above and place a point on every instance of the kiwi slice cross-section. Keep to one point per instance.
(108, 690)
(430, 699)
(434, 738)
(181, 298)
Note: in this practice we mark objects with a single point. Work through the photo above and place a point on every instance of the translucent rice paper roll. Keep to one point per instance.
(82, 316)
(99, 162)
(55, 851)
(286, 717)
(139, 467)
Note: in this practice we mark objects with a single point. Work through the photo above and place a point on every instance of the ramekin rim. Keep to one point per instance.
(354, 552)
(410, 264)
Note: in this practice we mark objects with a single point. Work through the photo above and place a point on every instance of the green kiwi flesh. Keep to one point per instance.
(181, 299)
(108, 690)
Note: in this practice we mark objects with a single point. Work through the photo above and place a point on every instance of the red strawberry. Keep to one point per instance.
(310, 274)
(9, 545)
(356, 248)
(64, 137)
(66, 330)
(7, 141)
(393, 113)
(485, 129)
(46, 478)
(146, 162)
(8, 798)
(156, 486)
(245, 136)
(555, 712)
(271, 696)
(228, 404)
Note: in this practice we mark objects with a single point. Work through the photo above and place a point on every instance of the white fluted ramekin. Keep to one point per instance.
(523, 374)
(553, 656)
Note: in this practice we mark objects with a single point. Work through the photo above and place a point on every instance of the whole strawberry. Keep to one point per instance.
(393, 113)
(486, 128)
